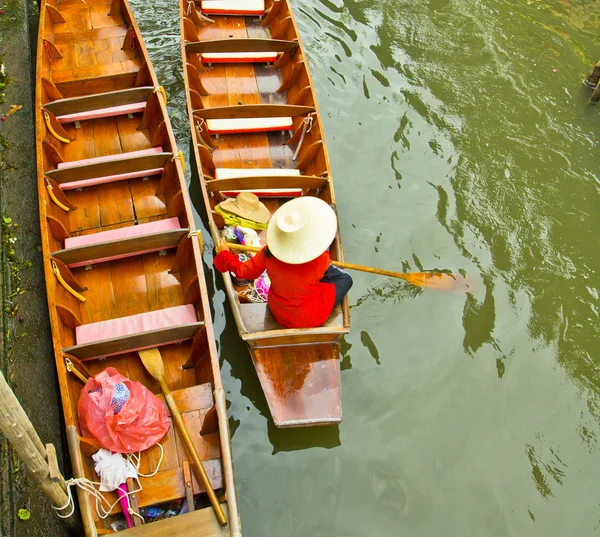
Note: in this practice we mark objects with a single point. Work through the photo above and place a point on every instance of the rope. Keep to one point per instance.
(72, 369)
(253, 294)
(189, 7)
(65, 284)
(52, 131)
(54, 198)
(198, 234)
(163, 91)
(103, 507)
(180, 157)
(135, 460)
(307, 123)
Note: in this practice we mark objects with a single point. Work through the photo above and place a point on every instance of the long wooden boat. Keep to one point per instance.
(256, 126)
(122, 263)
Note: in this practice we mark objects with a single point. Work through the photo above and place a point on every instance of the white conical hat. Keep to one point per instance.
(301, 230)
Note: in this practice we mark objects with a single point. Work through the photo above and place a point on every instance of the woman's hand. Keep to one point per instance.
(222, 246)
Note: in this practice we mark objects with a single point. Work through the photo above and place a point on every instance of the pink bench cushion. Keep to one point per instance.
(118, 234)
(239, 57)
(132, 108)
(233, 7)
(135, 324)
(109, 158)
(248, 124)
(109, 179)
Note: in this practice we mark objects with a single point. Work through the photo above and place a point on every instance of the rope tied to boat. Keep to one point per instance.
(162, 90)
(198, 234)
(54, 198)
(189, 6)
(180, 157)
(52, 131)
(72, 369)
(103, 506)
(307, 125)
(63, 282)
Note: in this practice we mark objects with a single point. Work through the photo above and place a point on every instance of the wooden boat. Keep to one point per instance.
(122, 263)
(252, 106)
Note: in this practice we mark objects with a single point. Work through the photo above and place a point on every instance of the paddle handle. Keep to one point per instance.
(341, 264)
(176, 415)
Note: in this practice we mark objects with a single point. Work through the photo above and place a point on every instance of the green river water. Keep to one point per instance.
(460, 138)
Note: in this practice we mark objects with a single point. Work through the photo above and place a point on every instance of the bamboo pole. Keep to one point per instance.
(19, 431)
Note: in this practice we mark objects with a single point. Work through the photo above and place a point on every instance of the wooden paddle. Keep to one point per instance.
(429, 280)
(154, 364)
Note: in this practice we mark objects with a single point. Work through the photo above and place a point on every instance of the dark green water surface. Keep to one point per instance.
(460, 138)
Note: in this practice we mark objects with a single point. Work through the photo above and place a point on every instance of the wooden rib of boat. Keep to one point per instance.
(123, 272)
(256, 126)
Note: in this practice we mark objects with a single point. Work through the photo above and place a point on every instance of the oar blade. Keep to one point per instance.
(439, 281)
(153, 362)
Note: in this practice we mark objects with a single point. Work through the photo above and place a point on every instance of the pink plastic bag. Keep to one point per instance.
(122, 415)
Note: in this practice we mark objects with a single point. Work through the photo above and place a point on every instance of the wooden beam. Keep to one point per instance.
(254, 111)
(241, 45)
(19, 431)
(121, 247)
(305, 182)
(115, 167)
(123, 344)
(109, 99)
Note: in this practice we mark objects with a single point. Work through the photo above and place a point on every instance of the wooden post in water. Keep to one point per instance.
(592, 82)
(39, 459)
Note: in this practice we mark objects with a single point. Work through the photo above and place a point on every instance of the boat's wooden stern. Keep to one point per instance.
(302, 383)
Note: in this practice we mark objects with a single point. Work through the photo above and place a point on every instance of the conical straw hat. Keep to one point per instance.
(301, 230)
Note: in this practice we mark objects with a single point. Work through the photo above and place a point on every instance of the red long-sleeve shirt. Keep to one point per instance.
(297, 299)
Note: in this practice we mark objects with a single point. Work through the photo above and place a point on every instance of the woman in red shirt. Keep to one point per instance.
(305, 287)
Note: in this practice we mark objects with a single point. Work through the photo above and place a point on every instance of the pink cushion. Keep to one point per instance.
(109, 158)
(123, 233)
(248, 124)
(132, 108)
(239, 57)
(109, 179)
(135, 324)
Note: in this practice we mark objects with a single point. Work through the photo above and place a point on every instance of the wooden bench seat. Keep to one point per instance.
(110, 168)
(135, 332)
(258, 318)
(109, 104)
(277, 192)
(267, 186)
(121, 243)
(245, 50)
(251, 117)
(233, 7)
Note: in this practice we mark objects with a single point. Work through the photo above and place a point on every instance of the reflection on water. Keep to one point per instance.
(460, 137)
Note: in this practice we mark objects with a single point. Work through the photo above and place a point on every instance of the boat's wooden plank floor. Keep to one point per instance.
(130, 286)
(244, 83)
(91, 43)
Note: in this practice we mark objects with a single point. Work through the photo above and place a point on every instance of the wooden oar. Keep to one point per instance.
(153, 362)
(430, 280)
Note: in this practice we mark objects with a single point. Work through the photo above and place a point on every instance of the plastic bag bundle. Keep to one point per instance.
(123, 416)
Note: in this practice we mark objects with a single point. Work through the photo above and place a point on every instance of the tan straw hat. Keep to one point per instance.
(301, 230)
(247, 205)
